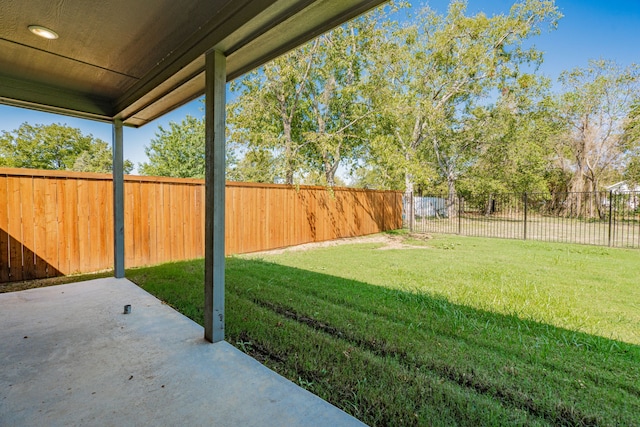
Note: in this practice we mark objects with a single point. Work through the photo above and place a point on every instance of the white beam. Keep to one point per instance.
(216, 77)
(118, 200)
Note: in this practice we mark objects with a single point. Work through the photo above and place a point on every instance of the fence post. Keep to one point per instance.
(525, 215)
(411, 212)
(610, 214)
(460, 210)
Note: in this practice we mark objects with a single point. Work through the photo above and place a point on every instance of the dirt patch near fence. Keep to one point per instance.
(387, 242)
(409, 241)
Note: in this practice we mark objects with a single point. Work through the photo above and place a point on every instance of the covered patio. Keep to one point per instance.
(69, 354)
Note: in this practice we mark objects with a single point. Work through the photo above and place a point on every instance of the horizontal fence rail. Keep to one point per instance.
(58, 223)
(603, 218)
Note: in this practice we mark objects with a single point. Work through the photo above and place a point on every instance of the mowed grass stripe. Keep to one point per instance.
(380, 390)
(561, 414)
(421, 318)
(472, 371)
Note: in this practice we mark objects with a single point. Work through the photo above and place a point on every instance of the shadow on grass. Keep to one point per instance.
(391, 357)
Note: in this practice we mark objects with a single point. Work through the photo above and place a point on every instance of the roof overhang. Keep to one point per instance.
(137, 60)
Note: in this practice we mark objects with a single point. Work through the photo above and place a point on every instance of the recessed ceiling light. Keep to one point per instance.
(43, 32)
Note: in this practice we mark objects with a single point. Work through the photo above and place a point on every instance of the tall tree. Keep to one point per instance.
(517, 134)
(268, 112)
(338, 94)
(55, 146)
(440, 69)
(309, 106)
(595, 103)
(177, 151)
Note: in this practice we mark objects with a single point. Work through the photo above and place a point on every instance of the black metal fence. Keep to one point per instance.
(594, 218)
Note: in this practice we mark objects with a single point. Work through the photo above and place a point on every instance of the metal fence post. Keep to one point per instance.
(412, 212)
(610, 214)
(460, 210)
(525, 215)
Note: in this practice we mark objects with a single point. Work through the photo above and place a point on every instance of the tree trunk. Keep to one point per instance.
(451, 196)
(330, 171)
(288, 153)
(489, 206)
(408, 194)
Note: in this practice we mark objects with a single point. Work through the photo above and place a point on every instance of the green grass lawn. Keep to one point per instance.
(464, 331)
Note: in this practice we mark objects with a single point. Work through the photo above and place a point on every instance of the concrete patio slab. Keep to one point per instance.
(70, 356)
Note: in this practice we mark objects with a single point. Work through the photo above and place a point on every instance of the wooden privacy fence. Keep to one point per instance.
(57, 223)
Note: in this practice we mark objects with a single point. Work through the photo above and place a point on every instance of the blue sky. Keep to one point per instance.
(590, 29)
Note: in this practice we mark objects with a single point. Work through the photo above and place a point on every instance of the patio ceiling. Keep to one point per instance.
(135, 60)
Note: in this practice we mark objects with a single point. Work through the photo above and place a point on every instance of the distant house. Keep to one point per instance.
(623, 187)
(629, 193)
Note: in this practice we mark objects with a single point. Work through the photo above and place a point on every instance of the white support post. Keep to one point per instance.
(216, 78)
(118, 200)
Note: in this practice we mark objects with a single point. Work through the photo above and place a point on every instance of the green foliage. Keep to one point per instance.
(55, 147)
(267, 113)
(178, 151)
(374, 175)
(256, 165)
(595, 106)
(436, 72)
(631, 127)
(409, 106)
(99, 158)
(631, 144)
(632, 171)
(516, 153)
(309, 107)
(318, 178)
